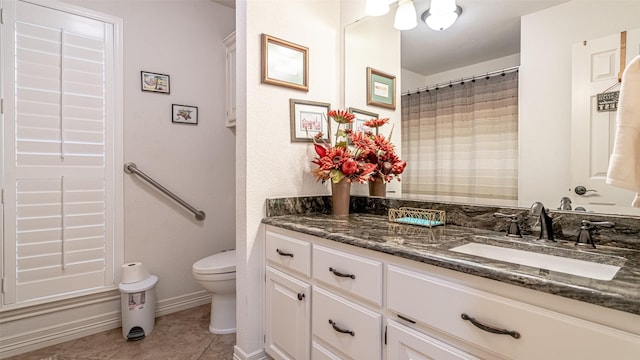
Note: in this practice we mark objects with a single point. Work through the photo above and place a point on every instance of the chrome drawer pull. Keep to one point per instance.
(283, 253)
(337, 273)
(476, 323)
(338, 329)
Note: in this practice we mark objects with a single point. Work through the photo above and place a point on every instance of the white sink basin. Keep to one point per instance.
(543, 261)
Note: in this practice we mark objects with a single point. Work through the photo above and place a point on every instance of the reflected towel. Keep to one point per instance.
(624, 164)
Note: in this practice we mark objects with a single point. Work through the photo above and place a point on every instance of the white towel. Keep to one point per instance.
(624, 164)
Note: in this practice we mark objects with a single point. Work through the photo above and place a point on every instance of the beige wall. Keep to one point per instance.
(268, 164)
(182, 38)
(374, 42)
(545, 89)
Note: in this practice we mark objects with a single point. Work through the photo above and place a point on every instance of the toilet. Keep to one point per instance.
(217, 274)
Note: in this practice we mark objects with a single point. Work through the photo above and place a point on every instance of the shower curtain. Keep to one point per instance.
(461, 141)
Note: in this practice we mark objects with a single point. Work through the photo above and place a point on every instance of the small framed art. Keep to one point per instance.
(284, 63)
(153, 82)
(184, 114)
(308, 118)
(361, 117)
(381, 89)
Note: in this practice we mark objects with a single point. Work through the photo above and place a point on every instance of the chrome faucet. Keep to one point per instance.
(586, 231)
(546, 224)
(514, 229)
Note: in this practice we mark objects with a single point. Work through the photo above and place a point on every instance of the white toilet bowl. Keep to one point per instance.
(217, 273)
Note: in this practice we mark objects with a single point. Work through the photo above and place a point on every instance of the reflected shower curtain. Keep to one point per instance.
(461, 141)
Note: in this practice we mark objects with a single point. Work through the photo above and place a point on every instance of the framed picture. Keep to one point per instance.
(284, 63)
(184, 114)
(308, 118)
(381, 89)
(361, 117)
(154, 82)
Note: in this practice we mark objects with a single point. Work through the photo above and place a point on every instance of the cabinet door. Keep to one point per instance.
(404, 343)
(288, 321)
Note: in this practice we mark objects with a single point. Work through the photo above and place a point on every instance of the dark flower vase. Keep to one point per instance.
(340, 196)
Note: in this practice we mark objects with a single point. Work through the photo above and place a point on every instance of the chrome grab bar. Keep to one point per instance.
(130, 168)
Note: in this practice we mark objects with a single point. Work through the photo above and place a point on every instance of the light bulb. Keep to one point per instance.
(405, 16)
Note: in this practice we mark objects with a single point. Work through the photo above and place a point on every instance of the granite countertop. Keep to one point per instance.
(432, 246)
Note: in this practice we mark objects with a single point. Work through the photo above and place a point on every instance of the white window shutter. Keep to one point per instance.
(60, 187)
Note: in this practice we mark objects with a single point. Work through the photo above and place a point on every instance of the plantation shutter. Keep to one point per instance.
(60, 148)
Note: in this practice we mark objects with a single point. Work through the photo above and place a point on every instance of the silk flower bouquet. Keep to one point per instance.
(371, 155)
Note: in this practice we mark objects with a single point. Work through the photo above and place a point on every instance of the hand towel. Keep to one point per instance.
(624, 163)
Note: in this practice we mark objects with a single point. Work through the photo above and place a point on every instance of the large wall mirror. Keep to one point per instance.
(548, 122)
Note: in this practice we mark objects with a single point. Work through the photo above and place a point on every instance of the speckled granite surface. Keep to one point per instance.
(566, 224)
(432, 246)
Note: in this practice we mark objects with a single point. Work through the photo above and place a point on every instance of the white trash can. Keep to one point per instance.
(138, 300)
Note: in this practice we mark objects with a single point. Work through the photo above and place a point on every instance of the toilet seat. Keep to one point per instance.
(224, 262)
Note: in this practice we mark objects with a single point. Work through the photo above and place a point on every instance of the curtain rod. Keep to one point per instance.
(459, 81)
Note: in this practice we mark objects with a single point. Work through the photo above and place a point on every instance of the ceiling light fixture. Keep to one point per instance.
(376, 7)
(405, 16)
(441, 20)
(441, 7)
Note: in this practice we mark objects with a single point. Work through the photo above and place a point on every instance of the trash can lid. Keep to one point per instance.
(139, 286)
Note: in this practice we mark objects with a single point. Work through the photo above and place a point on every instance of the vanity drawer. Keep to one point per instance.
(288, 253)
(319, 352)
(354, 274)
(348, 327)
(542, 334)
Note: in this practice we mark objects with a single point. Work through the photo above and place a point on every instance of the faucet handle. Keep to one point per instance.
(514, 229)
(586, 231)
(594, 224)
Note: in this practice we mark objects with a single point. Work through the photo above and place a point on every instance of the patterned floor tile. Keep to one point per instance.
(179, 336)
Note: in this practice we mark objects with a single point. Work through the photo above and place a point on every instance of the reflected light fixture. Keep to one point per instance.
(442, 14)
(441, 7)
(376, 7)
(405, 15)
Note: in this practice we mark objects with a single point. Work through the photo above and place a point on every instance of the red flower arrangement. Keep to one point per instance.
(382, 153)
(337, 162)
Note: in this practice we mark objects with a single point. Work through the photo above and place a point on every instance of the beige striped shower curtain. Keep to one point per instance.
(461, 141)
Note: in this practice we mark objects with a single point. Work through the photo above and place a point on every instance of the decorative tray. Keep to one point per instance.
(415, 216)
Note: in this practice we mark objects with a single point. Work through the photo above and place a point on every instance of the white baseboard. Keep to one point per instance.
(49, 332)
(238, 354)
(182, 302)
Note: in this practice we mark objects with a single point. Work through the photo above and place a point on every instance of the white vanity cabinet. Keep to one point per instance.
(371, 305)
(345, 318)
(500, 326)
(287, 298)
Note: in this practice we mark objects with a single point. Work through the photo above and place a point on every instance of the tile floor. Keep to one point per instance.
(181, 336)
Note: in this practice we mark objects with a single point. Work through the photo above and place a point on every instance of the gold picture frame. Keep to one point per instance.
(381, 89)
(285, 63)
